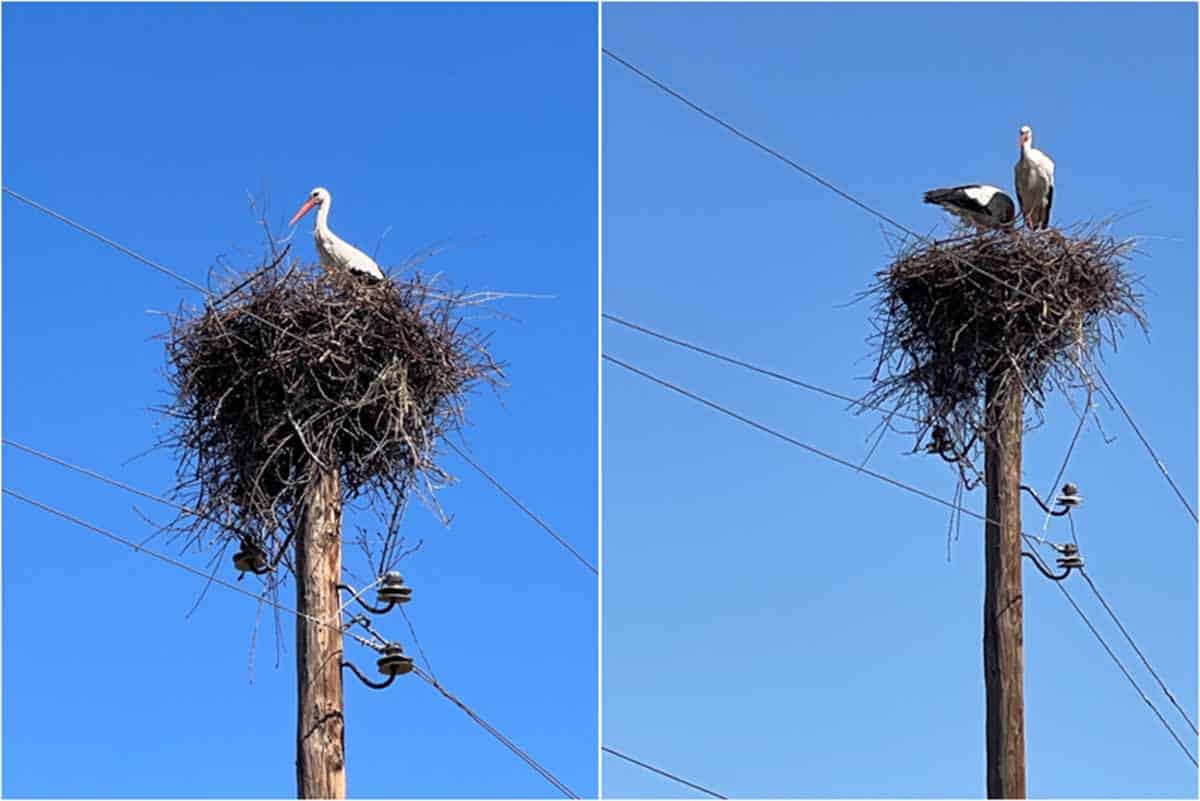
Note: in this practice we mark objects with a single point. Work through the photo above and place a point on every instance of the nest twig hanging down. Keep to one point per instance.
(1033, 307)
(295, 371)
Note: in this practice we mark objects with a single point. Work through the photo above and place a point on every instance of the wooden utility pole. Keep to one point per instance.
(1003, 607)
(320, 726)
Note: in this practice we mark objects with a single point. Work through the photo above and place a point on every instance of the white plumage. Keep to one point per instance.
(981, 205)
(333, 252)
(1035, 182)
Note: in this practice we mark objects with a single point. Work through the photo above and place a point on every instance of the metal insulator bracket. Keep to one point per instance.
(1069, 497)
(392, 589)
(393, 662)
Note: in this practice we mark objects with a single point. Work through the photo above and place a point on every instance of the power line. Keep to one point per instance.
(914, 490)
(492, 730)
(120, 485)
(529, 512)
(791, 440)
(1161, 467)
(166, 271)
(661, 772)
(1162, 685)
(753, 367)
(802, 169)
(496, 733)
(1125, 672)
(182, 565)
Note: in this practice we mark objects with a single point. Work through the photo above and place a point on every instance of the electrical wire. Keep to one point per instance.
(1125, 672)
(508, 743)
(791, 440)
(529, 512)
(182, 565)
(802, 169)
(492, 730)
(120, 485)
(661, 772)
(1162, 685)
(1161, 467)
(753, 367)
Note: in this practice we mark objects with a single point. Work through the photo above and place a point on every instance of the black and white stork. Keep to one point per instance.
(981, 205)
(1035, 182)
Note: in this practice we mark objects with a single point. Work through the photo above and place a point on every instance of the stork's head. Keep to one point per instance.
(317, 197)
(1026, 136)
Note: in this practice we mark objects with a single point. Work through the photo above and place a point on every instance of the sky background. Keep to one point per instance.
(774, 624)
(151, 124)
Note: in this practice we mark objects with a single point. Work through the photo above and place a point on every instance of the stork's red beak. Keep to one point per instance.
(308, 204)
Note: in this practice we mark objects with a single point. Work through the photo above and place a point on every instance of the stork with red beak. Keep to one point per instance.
(1035, 182)
(334, 252)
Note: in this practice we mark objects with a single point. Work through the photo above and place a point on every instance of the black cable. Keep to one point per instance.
(755, 368)
(791, 440)
(1137, 650)
(1125, 672)
(661, 772)
(374, 685)
(800, 168)
(523, 507)
(176, 563)
(1161, 467)
(492, 730)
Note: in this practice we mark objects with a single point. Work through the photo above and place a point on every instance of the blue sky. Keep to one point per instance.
(151, 123)
(775, 624)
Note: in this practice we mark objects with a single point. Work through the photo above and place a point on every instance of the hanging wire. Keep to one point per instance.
(1125, 673)
(683, 343)
(800, 168)
(523, 507)
(176, 563)
(1162, 685)
(1162, 468)
(661, 772)
(547, 775)
(496, 733)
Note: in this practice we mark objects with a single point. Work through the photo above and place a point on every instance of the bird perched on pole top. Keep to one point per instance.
(1035, 182)
(334, 252)
(981, 205)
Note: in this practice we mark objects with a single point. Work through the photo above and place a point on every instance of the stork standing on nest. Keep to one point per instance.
(334, 252)
(981, 205)
(1035, 182)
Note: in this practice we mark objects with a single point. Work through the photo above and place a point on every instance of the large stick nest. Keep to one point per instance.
(295, 372)
(1032, 307)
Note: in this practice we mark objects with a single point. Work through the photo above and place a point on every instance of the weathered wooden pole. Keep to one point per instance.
(1003, 608)
(320, 726)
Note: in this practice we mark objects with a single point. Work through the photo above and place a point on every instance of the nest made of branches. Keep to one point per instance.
(296, 371)
(1007, 305)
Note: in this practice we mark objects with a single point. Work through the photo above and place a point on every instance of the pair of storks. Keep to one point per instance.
(986, 206)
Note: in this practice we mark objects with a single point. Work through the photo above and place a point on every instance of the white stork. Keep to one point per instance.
(334, 252)
(981, 205)
(1035, 182)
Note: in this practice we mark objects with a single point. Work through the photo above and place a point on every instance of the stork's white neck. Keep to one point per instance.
(323, 215)
(1027, 144)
